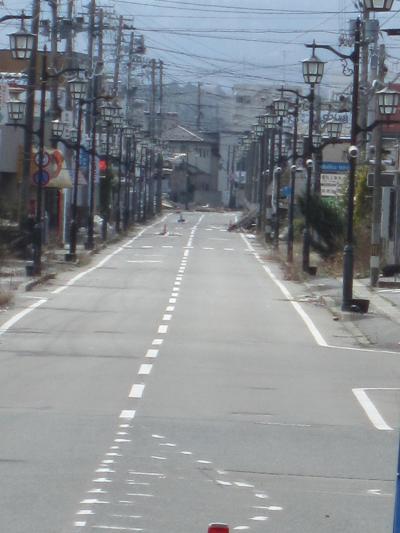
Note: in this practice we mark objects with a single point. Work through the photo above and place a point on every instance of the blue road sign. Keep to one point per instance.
(84, 158)
(333, 166)
(41, 178)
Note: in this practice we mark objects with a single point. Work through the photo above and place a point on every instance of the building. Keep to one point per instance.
(195, 178)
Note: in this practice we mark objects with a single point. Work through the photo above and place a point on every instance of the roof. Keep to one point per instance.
(181, 134)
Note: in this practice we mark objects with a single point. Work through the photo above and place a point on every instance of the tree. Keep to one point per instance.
(326, 223)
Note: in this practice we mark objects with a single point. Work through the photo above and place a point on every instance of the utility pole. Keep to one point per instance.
(377, 190)
(129, 99)
(232, 195)
(198, 122)
(95, 91)
(152, 127)
(118, 55)
(161, 97)
(91, 35)
(364, 60)
(29, 117)
(53, 58)
(318, 154)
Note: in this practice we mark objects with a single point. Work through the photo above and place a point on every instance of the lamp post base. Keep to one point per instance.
(306, 250)
(70, 257)
(348, 260)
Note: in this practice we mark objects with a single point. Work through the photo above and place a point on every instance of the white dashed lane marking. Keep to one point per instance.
(137, 390)
(127, 414)
(145, 369)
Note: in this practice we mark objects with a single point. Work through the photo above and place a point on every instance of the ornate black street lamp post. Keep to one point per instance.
(313, 70)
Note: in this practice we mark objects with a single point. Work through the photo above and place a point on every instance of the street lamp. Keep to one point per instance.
(107, 113)
(316, 140)
(57, 128)
(73, 135)
(388, 101)
(281, 107)
(348, 253)
(78, 88)
(16, 110)
(378, 5)
(129, 132)
(270, 120)
(313, 70)
(333, 129)
(21, 43)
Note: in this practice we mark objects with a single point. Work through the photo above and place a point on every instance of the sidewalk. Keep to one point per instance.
(378, 328)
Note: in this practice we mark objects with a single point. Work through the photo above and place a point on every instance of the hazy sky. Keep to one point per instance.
(228, 42)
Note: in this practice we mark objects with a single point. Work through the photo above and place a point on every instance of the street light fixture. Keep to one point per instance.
(77, 88)
(107, 112)
(129, 132)
(117, 122)
(21, 43)
(316, 140)
(333, 129)
(388, 101)
(259, 130)
(378, 5)
(281, 107)
(313, 69)
(73, 135)
(270, 121)
(16, 110)
(57, 128)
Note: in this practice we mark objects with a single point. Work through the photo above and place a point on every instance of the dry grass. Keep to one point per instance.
(84, 259)
(294, 271)
(6, 298)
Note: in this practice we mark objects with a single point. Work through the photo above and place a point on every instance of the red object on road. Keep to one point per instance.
(218, 528)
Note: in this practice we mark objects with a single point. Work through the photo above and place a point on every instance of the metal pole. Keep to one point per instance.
(37, 249)
(291, 215)
(260, 182)
(306, 233)
(348, 255)
(377, 191)
(127, 183)
(134, 183)
(292, 184)
(105, 188)
(73, 228)
(268, 223)
(264, 164)
(92, 178)
(277, 176)
(118, 211)
(29, 118)
(159, 167)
